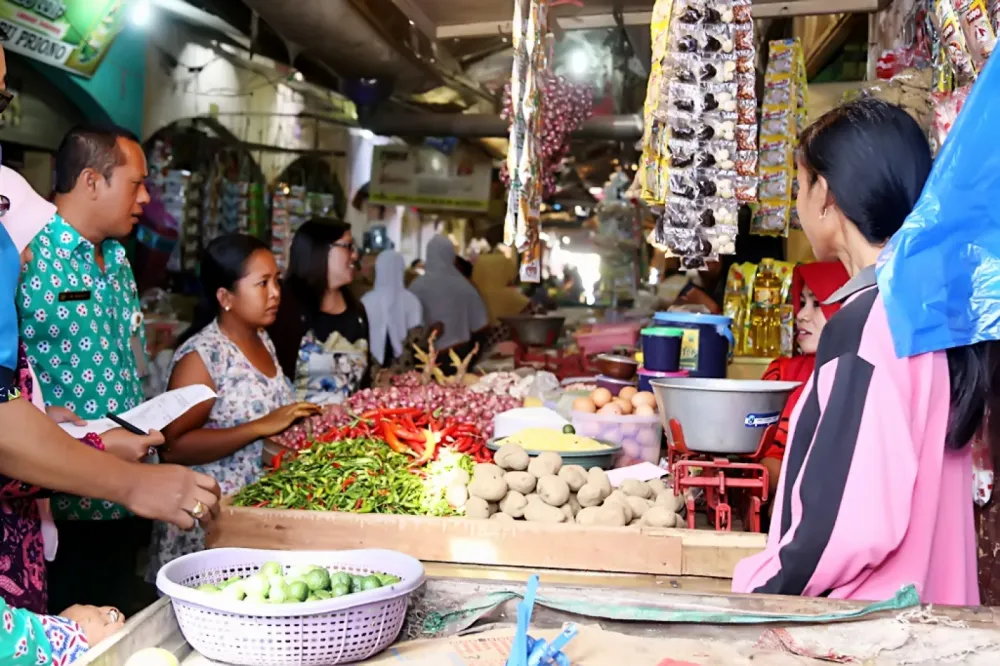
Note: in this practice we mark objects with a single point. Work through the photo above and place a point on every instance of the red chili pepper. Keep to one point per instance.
(348, 482)
(381, 413)
(392, 440)
(261, 504)
(357, 505)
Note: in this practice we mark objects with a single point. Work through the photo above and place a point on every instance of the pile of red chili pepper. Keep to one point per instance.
(413, 432)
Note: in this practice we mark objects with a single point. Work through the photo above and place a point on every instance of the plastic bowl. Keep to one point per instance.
(616, 366)
(639, 437)
(605, 459)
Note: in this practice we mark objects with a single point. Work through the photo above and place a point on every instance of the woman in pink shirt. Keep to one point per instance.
(874, 489)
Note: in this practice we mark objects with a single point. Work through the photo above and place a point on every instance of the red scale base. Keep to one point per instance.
(556, 361)
(738, 482)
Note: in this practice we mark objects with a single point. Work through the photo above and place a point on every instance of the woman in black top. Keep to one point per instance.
(321, 332)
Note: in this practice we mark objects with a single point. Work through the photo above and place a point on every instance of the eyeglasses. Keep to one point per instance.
(347, 245)
(6, 97)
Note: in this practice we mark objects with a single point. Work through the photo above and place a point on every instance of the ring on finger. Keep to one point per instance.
(114, 615)
(198, 512)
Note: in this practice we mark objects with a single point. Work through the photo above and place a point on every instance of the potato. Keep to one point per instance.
(658, 487)
(456, 495)
(670, 501)
(639, 506)
(494, 507)
(522, 482)
(599, 477)
(513, 504)
(610, 516)
(533, 497)
(545, 464)
(588, 515)
(636, 488)
(501, 516)
(487, 471)
(574, 504)
(477, 508)
(511, 457)
(553, 490)
(568, 512)
(620, 505)
(636, 522)
(590, 496)
(574, 475)
(488, 488)
(539, 512)
(660, 516)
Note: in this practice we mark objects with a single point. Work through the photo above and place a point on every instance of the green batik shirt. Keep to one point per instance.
(78, 323)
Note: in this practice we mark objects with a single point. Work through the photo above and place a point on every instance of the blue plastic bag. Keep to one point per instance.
(939, 275)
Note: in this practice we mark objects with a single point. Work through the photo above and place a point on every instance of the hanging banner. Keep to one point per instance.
(425, 178)
(70, 34)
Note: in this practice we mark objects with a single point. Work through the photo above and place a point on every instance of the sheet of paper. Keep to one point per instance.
(644, 471)
(153, 414)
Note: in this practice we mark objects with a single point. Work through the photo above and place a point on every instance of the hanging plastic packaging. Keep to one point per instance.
(939, 275)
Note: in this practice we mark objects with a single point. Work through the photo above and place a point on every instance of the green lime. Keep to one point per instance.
(208, 587)
(569, 430)
(387, 579)
(278, 594)
(318, 579)
(256, 585)
(230, 581)
(298, 590)
(322, 595)
(356, 583)
(234, 591)
(340, 578)
(339, 591)
(370, 583)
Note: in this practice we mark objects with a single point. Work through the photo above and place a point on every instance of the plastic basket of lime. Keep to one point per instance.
(252, 607)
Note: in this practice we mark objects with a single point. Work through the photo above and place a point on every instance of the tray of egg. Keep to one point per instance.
(629, 419)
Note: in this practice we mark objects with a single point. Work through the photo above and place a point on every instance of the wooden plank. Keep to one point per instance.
(492, 543)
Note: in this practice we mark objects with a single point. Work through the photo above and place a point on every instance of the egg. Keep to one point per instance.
(152, 657)
(612, 408)
(649, 439)
(630, 428)
(601, 397)
(625, 405)
(644, 410)
(644, 398)
(631, 448)
(627, 392)
(584, 404)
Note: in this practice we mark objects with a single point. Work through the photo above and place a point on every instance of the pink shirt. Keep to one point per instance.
(869, 499)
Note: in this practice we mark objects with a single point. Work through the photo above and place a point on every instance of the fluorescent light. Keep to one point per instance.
(579, 63)
(141, 12)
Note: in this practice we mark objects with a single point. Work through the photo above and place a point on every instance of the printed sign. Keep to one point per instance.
(426, 178)
(761, 420)
(70, 34)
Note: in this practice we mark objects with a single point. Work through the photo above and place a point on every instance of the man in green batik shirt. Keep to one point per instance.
(82, 324)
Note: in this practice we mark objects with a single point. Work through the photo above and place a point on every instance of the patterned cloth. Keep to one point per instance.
(328, 373)
(78, 323)
(245, 395)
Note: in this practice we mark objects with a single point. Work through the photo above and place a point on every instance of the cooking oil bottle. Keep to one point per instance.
(734, 305)
(765, 323)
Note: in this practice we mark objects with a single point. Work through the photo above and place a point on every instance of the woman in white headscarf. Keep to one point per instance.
(448, 297)
(392, 310)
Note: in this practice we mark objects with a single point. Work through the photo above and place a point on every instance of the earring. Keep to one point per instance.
(228, 308)
(822, 215)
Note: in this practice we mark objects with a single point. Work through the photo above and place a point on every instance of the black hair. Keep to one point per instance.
(416, 262)
(876, 159)
(464, 266)
(89, 147)
(308, 269)
(223, 264)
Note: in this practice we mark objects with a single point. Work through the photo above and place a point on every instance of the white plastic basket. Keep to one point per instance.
(314, 633)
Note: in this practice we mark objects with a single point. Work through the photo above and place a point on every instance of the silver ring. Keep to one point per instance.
(198, 512)
(114, 616)
(150, 452)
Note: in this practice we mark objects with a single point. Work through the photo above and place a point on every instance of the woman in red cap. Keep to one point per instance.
(812, 284)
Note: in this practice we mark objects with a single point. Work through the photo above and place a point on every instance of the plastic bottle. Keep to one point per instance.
(765, 323)
(734, 305)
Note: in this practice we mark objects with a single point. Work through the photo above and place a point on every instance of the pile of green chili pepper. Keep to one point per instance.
(359, 475)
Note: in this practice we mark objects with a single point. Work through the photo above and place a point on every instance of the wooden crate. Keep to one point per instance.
(635, 550)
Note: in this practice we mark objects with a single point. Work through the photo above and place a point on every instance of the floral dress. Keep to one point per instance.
(328, 373)
(245, 394)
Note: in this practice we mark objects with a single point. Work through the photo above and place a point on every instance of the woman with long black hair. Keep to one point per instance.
(321, 330)
(875, 485)
(227, 349)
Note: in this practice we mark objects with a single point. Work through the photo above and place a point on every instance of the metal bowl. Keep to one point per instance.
(725, 416)
(605, 458)
(617, 366)
(540, 331)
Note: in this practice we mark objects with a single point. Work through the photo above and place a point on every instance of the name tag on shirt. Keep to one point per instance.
(73, 296)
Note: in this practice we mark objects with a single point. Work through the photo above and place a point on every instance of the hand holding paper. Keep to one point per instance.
(155, 414)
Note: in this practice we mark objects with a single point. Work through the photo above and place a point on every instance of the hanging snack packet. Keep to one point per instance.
(953, 39)
(979, 33)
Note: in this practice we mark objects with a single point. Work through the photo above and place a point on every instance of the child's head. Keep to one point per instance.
(811, 285)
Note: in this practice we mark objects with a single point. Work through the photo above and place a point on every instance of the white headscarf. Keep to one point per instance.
(447, 296)
(391, 309)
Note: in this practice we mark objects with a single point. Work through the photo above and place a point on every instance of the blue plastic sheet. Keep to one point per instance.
(939, 275)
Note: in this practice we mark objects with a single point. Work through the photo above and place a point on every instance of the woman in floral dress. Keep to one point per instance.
(228, 350)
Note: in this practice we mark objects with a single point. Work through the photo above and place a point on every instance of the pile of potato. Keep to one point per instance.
(543, 490)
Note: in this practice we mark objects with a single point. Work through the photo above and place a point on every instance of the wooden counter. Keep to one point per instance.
(457, 541)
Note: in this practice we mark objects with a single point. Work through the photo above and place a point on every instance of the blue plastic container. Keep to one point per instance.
(707, 343)
(661, 348)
